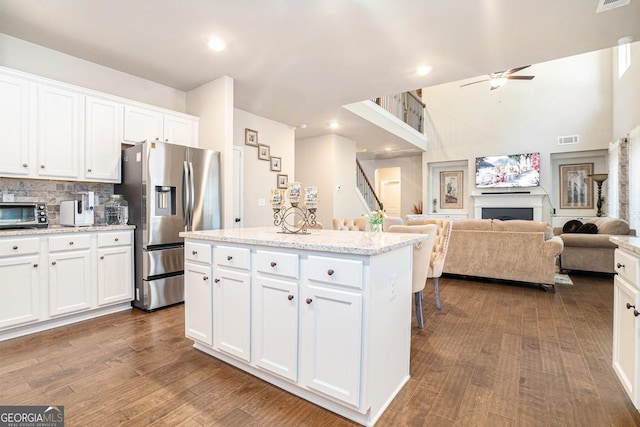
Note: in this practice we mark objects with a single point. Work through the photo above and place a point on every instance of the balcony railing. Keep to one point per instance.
(405, 106)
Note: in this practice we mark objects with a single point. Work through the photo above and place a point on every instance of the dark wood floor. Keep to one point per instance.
(495, 355)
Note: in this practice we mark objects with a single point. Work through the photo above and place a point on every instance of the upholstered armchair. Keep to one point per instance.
(391, 220)
(350, 224)
(436, 264)
(421, 255)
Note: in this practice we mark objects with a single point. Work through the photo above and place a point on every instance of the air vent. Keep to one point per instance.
(604, 5)
(567, 140)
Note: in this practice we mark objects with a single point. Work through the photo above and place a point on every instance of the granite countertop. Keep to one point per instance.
(630, 243)
(345, 242)
(55, 229)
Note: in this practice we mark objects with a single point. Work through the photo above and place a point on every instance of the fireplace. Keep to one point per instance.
(506, 214)
(513, 204)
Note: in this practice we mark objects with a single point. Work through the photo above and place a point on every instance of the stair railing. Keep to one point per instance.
(366, 189)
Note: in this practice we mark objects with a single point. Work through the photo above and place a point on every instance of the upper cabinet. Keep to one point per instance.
(144, 124)
(52, 130)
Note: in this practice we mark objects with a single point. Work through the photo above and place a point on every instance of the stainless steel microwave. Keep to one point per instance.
(23, 215)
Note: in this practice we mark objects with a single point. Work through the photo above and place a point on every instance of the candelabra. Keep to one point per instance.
(295, 218)
(599, 178)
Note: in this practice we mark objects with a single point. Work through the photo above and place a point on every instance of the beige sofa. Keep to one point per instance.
(592, 252)
(518, 250)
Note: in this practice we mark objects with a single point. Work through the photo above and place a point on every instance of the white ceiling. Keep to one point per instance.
(298, 61)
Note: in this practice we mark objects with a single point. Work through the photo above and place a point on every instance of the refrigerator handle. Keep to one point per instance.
(192, 197)
(185, 194)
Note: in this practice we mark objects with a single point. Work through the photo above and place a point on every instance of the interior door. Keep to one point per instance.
(390, 196)
(205, 189)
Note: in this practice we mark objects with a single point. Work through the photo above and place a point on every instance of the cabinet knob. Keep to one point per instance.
(330, 272)
(273, 264)
(618, 265)
(116, 239)
(194, 252)
(205, 278)
(216, 280)
(229, 257)
(24, 165)
(102, 257)
(309, 301)
(35, 265)
(166, 140)
(88, 170)
(157, 139)
(630, 306)
(290, 297)
(636, 313)
(53, 263)
(71, 243)
(15, 248)
(41, 166)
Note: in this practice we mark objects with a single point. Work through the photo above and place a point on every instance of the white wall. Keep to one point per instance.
(626, 94)
(31, 58)
(257, 177)
(567, 97)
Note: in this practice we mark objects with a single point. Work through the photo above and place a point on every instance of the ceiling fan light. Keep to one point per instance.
(499, 82)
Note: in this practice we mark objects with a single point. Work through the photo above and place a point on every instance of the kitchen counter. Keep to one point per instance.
(54, 229)
(631, 244)
(353, 243)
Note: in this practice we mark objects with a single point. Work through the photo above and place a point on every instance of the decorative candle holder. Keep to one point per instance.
(295, 218)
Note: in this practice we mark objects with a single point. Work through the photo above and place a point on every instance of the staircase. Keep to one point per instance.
(366, 189)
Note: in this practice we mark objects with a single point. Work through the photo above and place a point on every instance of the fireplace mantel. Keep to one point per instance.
(509, 200)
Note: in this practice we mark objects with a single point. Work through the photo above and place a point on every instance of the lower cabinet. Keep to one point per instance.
(70, 280)
(198, 302)
(115, 264)
(20, 302)
(232, 312)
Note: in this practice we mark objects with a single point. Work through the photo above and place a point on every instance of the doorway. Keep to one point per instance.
(389, 188)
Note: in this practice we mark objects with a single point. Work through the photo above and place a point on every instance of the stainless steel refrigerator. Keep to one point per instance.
(170, 188)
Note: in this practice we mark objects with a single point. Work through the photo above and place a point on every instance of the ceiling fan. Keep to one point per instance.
(498, 79)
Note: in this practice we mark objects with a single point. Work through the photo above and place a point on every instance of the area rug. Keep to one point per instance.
(563, 279)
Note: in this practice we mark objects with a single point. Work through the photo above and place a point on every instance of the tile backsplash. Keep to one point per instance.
(53, 192)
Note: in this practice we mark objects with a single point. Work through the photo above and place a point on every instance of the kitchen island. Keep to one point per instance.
(325, 316)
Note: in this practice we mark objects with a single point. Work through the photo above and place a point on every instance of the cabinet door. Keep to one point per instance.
(198, 303)
(142, 124)
(20, 290)
(14, 126)
(232, 313)
(331, 342)
(115, 275)
(180, 130)
(103, 133)
(625, 337)
(70, 282)
(58, 133)
(276, 326)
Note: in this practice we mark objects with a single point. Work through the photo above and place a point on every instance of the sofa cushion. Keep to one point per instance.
(572, 226)
(522, 225)
(472, 224)
(611, 226)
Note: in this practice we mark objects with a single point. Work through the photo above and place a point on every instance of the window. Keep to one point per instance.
(624, 58)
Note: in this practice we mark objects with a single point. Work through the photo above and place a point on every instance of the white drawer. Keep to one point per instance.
(628, 267)
(229, 256)
(336, 271)
(116, 238)
(200, 252)
(278, 263)
(10, 247)
(69, 242)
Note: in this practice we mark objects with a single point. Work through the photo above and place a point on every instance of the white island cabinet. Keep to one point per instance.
(626, 315)
(325, 316)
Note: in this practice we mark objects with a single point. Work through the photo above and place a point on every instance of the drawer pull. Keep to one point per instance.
(273, 264)
(102, 257)
(194, 252)
(330, 272)
(229, 257)
(630, 306)
(205, 278)
(53, 263)
(35, 265)
(15, 248)
(309, 301)
(618, 265)
(217, 280)
(290, 297)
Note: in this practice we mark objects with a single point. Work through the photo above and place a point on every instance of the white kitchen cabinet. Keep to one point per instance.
(20, 271)
(142, 124)
(70, 275)
(626, 323)
(198, 302)
(232, 301)
(15, 130)
(58, 132)
(115, 267)
(103, 130)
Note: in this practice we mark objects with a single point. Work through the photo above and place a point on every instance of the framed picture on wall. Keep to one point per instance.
(276, 164)
(283, 180)
(251, 137)
(451, 190)
(576, 189)
(263, 152)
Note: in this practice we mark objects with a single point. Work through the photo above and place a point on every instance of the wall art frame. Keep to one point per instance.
(263, 152)
(276, 164)
(283, 180)
(251, 137)
(576, 188)
(451, 190)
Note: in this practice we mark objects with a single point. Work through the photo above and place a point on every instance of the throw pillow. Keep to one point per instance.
(588, 228)
(572, 226)
(613, 226)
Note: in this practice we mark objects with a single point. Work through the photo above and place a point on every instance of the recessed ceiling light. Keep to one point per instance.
(302, 126)
(216, 44)
(334, 125)
(423, 70)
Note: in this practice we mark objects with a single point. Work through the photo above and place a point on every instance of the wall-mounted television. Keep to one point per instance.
(514, 170)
